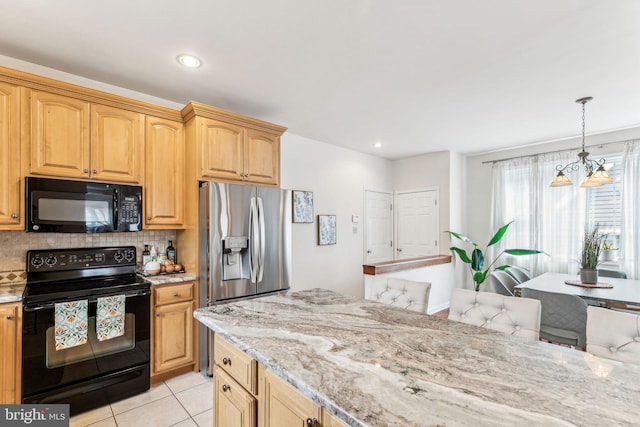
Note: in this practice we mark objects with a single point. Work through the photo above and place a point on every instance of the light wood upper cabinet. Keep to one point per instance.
(221, 149)
(11, 195)
(59, 130)
(117, 142)
(262, 157)
(165, 180)
(71, 138)
(172, 327)
(232, 148)
(10, 352)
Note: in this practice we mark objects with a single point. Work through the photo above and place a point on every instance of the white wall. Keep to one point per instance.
(337, 177)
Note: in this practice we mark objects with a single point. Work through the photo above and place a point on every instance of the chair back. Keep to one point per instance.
(402, 293)
(501, 283)
(511, 315)
(520, 274)
(612, 273)
(613, 334)
(564, 317)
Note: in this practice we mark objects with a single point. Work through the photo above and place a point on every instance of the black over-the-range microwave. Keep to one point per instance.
(62, 206)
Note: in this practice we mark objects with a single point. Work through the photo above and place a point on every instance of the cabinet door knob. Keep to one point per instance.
(157, 314)
(226, 361)
(94, 171)
(85, 170)
(9, 316)
(148, 218)
(225, 387)
(312, 422)
(14, 216)
(176, 295)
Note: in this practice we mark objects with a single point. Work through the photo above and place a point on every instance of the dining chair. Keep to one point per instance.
(408, 294)
(501, 283)
(519, 273)
(612, 273)
(613, 334)
(511, 315)
(564, 317)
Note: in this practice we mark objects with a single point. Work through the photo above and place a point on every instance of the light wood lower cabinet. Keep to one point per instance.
(10, 352)
(248, 394)
(172, 328)
(232, 405)
(283, 405)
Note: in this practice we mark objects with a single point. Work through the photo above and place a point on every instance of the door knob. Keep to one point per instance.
(399, 249)
(226, 361)
(312, 422)
(368, 252)
(9, 316)
(225, 387)
(14, 216)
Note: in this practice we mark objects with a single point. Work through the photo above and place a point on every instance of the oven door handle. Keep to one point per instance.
(46, 305)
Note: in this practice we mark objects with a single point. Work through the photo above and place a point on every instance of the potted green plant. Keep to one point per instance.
(477, 259)
(589, 260)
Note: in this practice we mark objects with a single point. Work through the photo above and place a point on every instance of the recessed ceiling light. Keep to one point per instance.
(378, 144)
(189, 61)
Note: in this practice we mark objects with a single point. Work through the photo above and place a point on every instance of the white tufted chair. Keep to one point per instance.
(511, 315)
(402, 293)
(613, 334)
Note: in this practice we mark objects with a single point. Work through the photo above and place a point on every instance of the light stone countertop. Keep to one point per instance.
(11, 292)
(163, 279)
(372, 364)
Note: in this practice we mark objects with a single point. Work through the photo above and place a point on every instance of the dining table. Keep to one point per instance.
(610, 292)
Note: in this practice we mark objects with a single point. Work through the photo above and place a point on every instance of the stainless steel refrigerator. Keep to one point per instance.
(245, 245)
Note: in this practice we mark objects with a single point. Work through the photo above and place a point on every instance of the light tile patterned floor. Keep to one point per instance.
(183, 401)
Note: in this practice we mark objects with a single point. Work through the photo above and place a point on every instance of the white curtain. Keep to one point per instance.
(630, 230)
(547, 219)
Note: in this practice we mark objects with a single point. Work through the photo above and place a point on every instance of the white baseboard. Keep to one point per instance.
(438, 308)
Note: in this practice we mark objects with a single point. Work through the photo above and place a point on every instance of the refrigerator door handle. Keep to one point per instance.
(253, 241)
(262, 240)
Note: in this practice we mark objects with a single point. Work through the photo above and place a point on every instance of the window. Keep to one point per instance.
(604, 203)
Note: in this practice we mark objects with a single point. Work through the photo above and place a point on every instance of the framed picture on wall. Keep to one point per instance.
(326, 229)
(302, 206)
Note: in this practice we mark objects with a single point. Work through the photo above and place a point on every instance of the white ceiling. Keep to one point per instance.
(417, 75)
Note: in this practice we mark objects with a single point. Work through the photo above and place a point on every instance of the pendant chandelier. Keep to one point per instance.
(596, 174)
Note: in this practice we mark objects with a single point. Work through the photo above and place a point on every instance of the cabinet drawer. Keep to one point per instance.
(236, 363)
(173, 293)
(233, 405)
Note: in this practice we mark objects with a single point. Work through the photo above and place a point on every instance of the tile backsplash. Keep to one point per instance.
(15, 244)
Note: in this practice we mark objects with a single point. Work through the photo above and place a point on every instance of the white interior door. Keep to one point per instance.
(416, 224)
(378, 227)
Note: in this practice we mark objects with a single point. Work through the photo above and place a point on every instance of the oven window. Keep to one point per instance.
(93, 348)
(83, 211)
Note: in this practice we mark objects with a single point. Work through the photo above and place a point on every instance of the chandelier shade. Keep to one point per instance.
(596, 173)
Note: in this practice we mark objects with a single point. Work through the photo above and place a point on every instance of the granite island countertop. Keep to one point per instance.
(372, 364)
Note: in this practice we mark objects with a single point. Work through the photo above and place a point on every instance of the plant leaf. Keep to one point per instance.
(461, 237)
(496, 238)
(462, 254)
(524, 252)
(477, 260)
(502, 267)
(479, 277)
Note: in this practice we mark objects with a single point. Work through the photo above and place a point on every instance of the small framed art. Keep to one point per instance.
(326, 229)
(302, 206)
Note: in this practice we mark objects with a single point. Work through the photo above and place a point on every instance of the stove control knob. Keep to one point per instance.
(129, 255)
(37, 261)
(51, 260)
(118, 256)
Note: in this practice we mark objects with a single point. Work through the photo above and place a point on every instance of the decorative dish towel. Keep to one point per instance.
(110, 317)
(71, 324)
